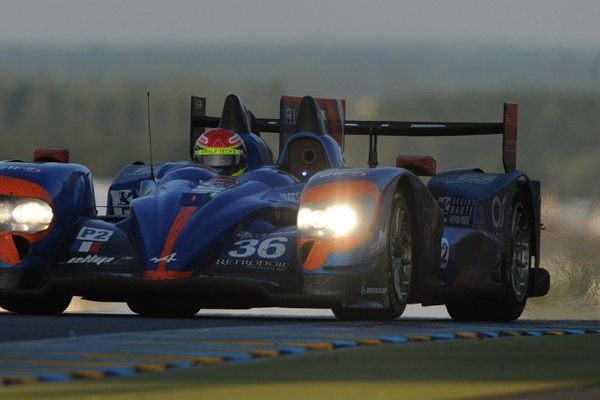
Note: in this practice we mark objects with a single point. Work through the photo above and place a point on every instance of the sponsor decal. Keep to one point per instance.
(170, 258)
(208, 189)
(121, 200)
(273, 265)
(241, 233)
(340, 172)
(292, 197)
(373, 290)
(86, 247)
(499, 211)
(269, 248)
(457, 210)
(87, 233)
(214, 186)
(379, 242)
(445, 253)
(97, 260)
(32, 170)
(476, 179)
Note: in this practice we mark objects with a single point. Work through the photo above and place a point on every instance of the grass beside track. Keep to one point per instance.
(439, 370)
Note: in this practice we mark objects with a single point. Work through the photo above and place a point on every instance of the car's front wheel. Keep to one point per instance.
(400, 266)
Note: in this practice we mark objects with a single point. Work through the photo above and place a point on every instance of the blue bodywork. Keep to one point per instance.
(233, 241)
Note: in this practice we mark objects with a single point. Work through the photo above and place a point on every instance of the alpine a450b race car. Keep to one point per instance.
(304, 231)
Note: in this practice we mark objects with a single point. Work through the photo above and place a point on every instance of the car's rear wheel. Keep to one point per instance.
(400, 264)
(51, 304)
(164, 308)
(517, 267)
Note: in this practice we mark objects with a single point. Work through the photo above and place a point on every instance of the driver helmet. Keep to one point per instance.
(223, 150)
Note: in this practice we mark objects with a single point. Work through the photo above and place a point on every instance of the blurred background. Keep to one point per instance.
(74, 74)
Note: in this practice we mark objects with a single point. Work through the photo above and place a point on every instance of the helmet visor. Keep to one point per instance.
(219, 160)
(218, 157)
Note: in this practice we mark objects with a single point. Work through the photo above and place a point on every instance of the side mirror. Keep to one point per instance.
(51, 155)
(418, 165)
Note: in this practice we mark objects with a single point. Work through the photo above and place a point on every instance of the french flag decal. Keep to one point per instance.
(80, 246)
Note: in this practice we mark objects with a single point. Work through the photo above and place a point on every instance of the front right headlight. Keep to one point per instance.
(24, 215)
(336, 220)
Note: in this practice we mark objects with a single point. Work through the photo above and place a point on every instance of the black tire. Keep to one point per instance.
(517, 268)
(45, 305)
(165, 308)
(401, 248)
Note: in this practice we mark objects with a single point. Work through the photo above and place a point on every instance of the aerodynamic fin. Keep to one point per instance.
(298, 114)
(310, 117)
(235, 116)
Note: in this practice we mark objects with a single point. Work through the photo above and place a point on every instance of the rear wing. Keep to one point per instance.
(507, 128)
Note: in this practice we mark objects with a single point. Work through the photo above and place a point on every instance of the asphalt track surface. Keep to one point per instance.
(23, 327)
(36, 349)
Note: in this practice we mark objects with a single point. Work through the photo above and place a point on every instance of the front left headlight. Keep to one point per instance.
(24, 215)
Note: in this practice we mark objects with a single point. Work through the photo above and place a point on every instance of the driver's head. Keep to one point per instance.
(223, 150)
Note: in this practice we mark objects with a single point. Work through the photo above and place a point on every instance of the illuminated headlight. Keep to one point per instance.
(335, 220)
(18, 214)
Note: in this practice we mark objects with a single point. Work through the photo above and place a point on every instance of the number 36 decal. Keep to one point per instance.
(273, 247)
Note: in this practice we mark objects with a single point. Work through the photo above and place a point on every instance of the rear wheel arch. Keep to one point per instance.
(530, 194)
(511, 304)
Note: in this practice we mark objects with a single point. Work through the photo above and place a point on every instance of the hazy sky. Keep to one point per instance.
(134, 22)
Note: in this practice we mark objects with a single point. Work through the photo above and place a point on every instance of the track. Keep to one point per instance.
(79, 345)
(25, 328)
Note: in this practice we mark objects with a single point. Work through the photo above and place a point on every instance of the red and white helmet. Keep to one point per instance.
(222, 149)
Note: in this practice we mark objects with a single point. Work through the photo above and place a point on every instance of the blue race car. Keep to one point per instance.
(304, 231)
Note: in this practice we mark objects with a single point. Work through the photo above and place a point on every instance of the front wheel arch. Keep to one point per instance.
(401, 206)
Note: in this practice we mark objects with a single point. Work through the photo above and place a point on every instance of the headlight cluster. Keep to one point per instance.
(335, 219)
(25, 215)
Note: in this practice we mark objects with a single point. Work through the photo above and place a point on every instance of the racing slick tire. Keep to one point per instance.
(47, 305)
(164, 308)
(401, 249)
(517, 268)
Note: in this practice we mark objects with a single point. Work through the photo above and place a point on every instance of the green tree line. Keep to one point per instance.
(103, 123)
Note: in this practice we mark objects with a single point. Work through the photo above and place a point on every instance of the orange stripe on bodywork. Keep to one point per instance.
(323, 246)
(162, 275)
(10, 186)
(336, 192)
(317, 255)
(180, 220)
(8, 251)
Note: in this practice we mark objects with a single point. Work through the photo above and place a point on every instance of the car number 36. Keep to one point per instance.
(273, 247)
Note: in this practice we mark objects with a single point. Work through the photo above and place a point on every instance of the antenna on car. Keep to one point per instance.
(150, 139)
